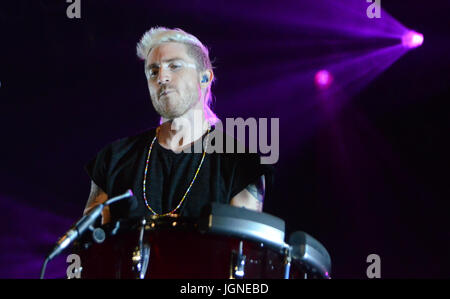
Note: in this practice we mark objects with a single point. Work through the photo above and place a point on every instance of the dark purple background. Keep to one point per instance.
(368, 175)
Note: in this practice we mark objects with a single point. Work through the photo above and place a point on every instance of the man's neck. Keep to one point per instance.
(181, 132)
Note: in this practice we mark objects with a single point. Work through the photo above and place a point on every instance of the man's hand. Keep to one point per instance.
(252, 197)
(96, 197)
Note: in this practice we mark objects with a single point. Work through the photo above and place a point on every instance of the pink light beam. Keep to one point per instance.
(323, 79)
(412, 39)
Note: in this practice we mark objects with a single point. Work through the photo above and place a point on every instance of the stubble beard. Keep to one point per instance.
(176, 107)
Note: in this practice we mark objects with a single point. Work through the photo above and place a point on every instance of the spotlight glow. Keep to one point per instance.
(412, 39)
(323, 79)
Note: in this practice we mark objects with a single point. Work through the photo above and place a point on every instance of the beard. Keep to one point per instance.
(173, 104)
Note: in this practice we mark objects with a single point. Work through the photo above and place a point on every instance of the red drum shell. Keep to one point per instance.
(181, 252)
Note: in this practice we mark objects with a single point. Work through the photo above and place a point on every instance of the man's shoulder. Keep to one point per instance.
(231, 149)
(127, 142)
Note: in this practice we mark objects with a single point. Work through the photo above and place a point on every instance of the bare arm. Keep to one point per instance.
(96, 197)
(252, 197)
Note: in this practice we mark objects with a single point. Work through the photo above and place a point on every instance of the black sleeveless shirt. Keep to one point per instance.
(120, 166)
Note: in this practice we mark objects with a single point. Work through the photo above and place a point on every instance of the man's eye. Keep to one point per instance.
(174, 66)
(153, 73)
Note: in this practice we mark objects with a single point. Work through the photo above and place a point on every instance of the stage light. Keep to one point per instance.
(412, 39)
(323, 79)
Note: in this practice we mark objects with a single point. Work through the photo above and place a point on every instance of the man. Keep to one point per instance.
(160, 165)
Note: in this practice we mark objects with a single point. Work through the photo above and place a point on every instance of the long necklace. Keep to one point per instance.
(190, 185)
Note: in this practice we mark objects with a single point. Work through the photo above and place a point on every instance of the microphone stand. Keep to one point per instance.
(79, 228)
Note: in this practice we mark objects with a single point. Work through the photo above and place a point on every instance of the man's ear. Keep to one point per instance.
(206, 78)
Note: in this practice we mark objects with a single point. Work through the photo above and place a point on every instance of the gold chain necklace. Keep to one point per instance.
(190, 185)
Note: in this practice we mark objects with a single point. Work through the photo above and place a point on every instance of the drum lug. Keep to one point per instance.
(141, 254)
(287, 262)
(237, 264)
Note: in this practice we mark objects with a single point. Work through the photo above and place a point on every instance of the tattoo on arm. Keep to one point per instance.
(96, 196)
(257, 189)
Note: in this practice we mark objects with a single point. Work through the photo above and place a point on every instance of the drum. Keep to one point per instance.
(226, 242)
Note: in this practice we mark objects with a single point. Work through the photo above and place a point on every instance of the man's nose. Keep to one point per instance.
(163, 76)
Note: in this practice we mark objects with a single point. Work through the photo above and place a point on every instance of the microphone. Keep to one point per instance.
(85, 222)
